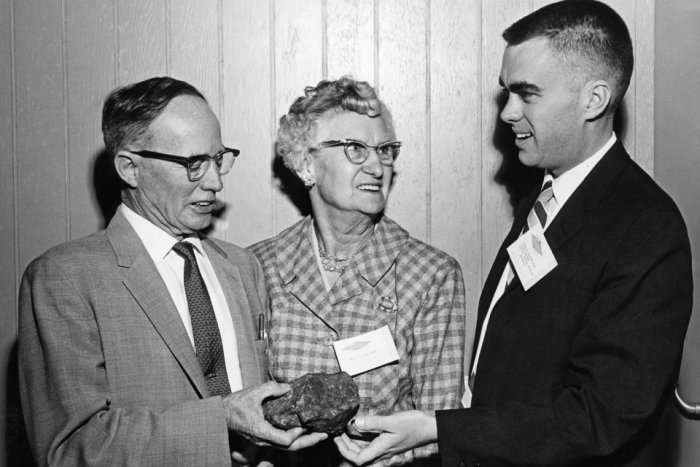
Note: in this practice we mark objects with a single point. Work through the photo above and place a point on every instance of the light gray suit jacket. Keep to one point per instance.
(108, 375)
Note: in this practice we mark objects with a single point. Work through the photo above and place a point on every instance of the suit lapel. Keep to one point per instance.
(230, 279)
(568, 222)
(142, 279)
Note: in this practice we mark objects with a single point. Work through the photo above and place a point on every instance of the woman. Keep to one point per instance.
(347, 270)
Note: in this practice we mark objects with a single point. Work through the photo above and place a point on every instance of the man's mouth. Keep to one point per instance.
(372, 188)
(522, 136)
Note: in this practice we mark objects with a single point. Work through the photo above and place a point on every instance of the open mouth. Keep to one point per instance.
(522, 136)
(371, 188)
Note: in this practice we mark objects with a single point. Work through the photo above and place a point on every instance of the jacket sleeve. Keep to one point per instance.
(66, 394)
(437, 365)
(621, 368)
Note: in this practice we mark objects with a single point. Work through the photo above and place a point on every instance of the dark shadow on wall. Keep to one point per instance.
(107, 185)
(17, 450)
(291, 186)
(516, 178)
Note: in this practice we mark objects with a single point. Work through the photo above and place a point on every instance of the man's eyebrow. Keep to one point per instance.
(520, 87)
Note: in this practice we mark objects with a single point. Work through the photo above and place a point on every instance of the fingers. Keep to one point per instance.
(306, 441)
(273, 389)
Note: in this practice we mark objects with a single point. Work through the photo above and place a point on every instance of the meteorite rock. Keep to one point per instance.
(317, 402)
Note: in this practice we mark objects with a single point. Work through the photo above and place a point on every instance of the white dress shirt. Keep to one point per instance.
(171, 266)
(563, 187)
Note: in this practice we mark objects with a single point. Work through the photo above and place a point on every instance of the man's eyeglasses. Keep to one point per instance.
(198, 165)
(357, 152)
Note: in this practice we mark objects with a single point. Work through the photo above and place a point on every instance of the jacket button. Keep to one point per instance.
(328, 340)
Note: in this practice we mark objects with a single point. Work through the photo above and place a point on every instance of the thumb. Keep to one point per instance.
(366, 423)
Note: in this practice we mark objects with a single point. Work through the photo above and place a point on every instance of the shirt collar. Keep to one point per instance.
(565, 184)
(157, 241)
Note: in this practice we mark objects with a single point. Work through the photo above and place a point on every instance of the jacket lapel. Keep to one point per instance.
(299, 270)
(142, 279)
(237, 301)
(568, 222)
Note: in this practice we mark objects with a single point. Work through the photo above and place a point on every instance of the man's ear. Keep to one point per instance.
(598, 95)
(127, 166)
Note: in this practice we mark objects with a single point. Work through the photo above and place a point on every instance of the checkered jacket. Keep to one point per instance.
(427, 319)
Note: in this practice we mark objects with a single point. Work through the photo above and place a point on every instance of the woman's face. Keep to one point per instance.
(343, 188)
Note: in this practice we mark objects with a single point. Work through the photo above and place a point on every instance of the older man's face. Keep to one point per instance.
(164, 195)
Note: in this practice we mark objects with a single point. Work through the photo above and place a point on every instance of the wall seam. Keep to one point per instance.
(273, 104)
(115, 26)
(376, 47)
(15, 188)
(428, 123)
(324, 38)
(168, 44)
(66, 131)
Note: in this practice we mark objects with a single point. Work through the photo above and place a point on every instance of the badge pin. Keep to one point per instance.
(388, 304)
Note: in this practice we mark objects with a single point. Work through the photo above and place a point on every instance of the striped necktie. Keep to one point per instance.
(205, 329)
(538, 215)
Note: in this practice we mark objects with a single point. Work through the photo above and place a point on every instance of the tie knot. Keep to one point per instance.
(185, 250)
(547, 192)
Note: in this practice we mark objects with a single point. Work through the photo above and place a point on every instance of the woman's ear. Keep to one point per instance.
(127, 166)
(305, 171)
(598, 99)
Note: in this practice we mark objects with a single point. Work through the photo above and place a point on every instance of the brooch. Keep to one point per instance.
(388, 304)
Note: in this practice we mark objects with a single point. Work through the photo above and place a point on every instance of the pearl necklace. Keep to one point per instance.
(332, 263)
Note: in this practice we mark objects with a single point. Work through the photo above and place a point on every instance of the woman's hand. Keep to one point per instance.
(397, 433)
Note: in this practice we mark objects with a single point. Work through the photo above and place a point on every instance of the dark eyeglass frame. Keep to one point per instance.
(347, 142)
(188, 161)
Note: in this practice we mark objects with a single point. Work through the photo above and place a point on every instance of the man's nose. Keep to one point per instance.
(511, 112)
(212, 178)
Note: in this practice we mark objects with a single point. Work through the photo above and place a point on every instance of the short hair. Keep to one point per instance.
(588, 35)
(128, 111)
(298, 125)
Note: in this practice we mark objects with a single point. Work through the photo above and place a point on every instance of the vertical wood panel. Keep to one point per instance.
(8, 279)
(41, 124)
(141, 40)
(194, 58)
(298, 63)
(626, 112)
(496, 209)
(91, 75)
(455, 119)
(350, 39)
(644, 78)
(248, 123)
(403, 86)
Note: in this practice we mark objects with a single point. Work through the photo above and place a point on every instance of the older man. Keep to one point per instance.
(136, 343)
(581, 327)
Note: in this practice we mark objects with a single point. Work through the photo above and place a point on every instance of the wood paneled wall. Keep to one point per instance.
(435, 63)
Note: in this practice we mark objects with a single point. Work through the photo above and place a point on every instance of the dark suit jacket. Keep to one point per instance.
(108, 375)
(579, 369)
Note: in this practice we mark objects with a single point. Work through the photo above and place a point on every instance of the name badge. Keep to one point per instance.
(532, 257)
(366, 352)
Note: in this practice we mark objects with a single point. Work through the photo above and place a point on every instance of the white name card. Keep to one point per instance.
(366, 352)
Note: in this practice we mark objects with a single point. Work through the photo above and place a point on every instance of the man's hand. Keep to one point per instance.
(244, 416)
(397, 433)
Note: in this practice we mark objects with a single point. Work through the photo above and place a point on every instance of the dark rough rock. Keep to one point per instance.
(317, 401)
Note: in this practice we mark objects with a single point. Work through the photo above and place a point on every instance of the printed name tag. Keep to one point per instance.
(366, 352)
(532, 257)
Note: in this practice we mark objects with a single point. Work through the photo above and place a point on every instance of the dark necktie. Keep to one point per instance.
(207, 340)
